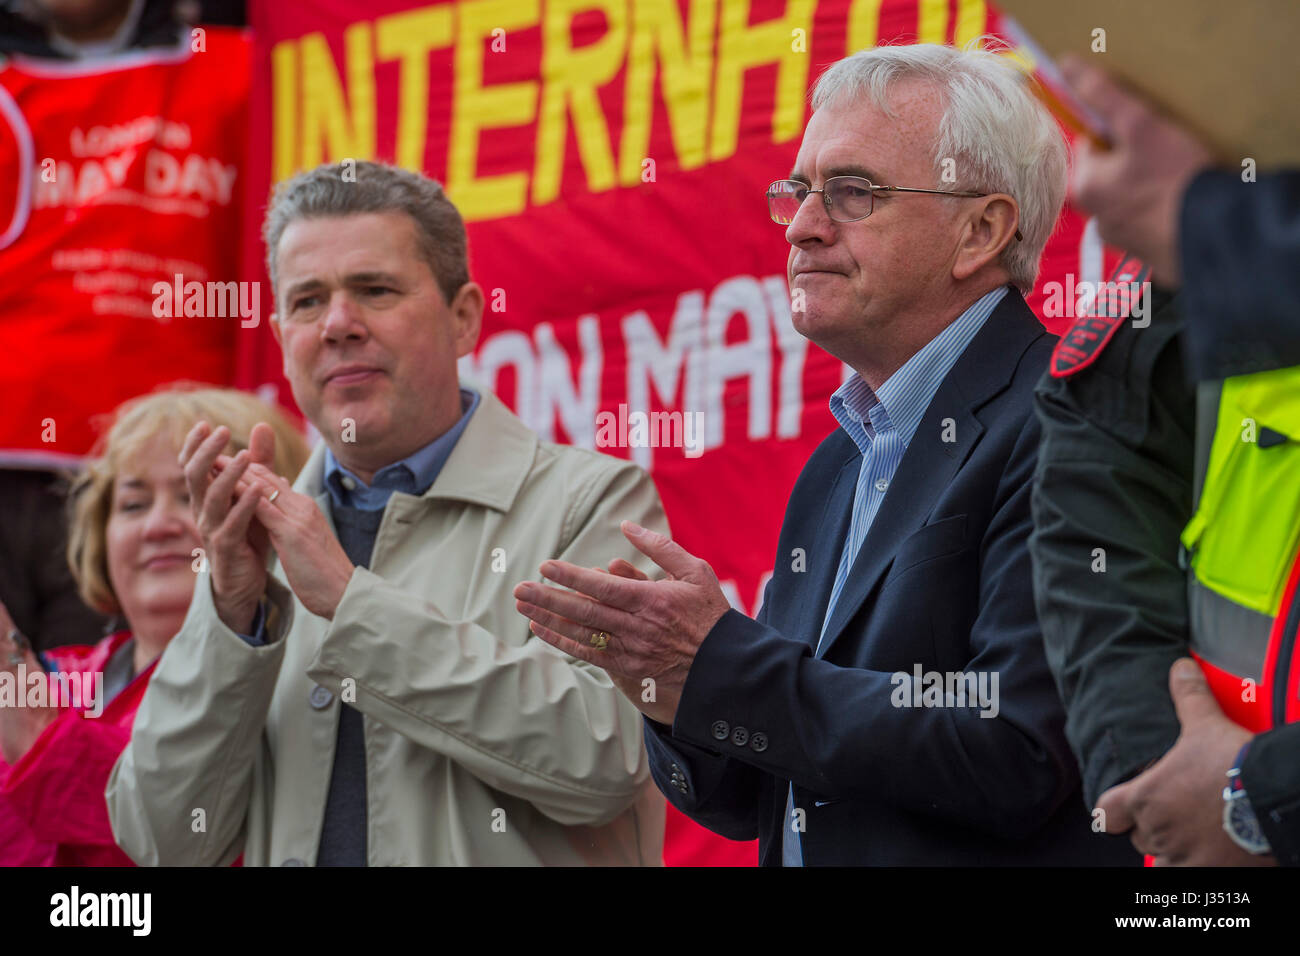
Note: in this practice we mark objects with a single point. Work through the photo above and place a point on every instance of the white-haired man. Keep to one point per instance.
(891, 704)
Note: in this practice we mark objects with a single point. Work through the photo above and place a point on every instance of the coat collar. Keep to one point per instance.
(929, 464)
(487, 467)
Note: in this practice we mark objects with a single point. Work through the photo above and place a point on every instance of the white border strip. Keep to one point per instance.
(40, 460)
(150, 56)
(26, 166)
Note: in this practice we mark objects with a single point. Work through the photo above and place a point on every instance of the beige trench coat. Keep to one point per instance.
(484, 745)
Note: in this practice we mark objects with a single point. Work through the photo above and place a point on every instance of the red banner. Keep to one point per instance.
(610, 158)
(116, 175)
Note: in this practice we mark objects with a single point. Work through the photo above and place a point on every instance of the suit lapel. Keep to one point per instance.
(826, 539)
(930, 463)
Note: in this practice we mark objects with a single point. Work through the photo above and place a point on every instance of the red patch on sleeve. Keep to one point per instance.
(1114, 299)
(1082, 343)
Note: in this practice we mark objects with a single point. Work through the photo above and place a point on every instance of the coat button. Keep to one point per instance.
(758, 741)
(293, 861)
(321, 697)
(740, 736)
(721, 729)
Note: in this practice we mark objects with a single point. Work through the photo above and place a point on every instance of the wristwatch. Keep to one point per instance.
(1239, 820)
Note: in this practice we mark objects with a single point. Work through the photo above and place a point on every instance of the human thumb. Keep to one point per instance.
(1191, 694)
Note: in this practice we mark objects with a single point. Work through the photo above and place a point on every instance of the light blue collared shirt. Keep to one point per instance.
(881, 424)
(412, 475)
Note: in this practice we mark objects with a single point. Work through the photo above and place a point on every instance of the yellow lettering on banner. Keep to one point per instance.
(686, 67)
(284, 106)
(932, 21)
(741, 47)
(476, 108)
(569, 81)
(409, 36)
(864, 25)
(330, 129)
(972, 19)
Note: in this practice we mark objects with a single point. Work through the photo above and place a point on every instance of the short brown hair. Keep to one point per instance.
(376, 188)
(168, 413)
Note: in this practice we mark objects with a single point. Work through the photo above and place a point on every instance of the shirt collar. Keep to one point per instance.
(902, 399)
(412, 475)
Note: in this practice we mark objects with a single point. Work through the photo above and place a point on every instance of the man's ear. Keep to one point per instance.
(990, 226)
(279, 340)
(467, 317)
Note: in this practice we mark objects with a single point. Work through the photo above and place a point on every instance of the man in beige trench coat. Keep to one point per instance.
(375, 699)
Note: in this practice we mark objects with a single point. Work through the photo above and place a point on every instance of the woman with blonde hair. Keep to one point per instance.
(134, 550)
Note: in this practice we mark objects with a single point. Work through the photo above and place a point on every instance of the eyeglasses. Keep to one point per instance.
(847, 198)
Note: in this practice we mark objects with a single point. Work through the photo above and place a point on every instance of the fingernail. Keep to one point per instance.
(633, 528)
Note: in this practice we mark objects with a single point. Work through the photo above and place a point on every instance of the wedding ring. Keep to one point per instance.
(275, 494)
(599, 640)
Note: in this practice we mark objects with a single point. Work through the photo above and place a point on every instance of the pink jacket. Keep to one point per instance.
(52, 809)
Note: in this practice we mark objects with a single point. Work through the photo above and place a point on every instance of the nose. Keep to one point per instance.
(343, 319)
(168, 517)
(812, 223)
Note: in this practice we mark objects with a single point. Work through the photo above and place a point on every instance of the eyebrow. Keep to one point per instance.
(353, 279)
(852, 169)
(134, 484)
(372, 278)
(300, 287)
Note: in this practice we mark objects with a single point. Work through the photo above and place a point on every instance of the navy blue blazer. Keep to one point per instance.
(942, 581)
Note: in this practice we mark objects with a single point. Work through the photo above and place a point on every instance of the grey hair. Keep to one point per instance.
(999, 137)
(375, 188)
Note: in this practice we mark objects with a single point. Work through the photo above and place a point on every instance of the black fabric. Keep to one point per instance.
(158, 27)
(343, 833)
(36, 584)
(1115, 469)
(1239, 245)
(1271, 775)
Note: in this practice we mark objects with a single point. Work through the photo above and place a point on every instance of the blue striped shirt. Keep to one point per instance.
(881, 424)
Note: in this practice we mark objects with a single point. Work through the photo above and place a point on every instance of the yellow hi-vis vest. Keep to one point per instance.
(1242, 546)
